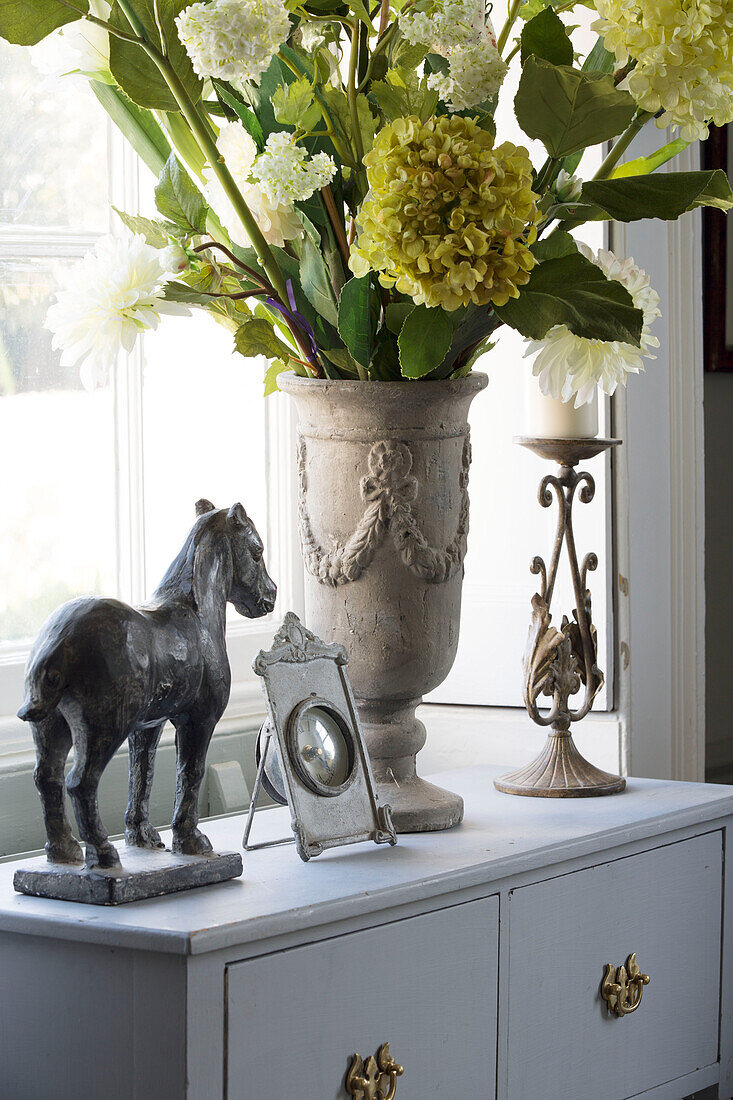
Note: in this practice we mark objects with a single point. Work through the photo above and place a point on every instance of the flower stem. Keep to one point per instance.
(201, 131)
(337, 225)
(637, 123)
(511, 19)
(101, 23)
(352, 93)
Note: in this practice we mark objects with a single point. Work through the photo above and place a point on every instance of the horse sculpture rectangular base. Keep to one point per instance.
(144, 874)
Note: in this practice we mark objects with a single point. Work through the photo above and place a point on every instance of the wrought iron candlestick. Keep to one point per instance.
(559, 664)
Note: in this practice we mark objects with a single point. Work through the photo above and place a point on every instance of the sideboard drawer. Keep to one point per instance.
(426, 985)
(664, 905)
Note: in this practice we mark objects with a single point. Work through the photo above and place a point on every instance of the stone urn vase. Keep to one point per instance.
(383, 516)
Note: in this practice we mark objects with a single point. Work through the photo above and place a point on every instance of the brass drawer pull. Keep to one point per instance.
(622, 989)
(375, 1080)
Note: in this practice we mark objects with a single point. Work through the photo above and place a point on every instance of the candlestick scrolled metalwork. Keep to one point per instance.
(561, 663)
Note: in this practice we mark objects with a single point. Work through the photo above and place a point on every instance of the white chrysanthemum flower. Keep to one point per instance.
(459, 31)
(277, 221)
(567, 187)
(77, 49)
(233, 39)
(107, 300)
(684, 58)
(287, 174)
(570, 366)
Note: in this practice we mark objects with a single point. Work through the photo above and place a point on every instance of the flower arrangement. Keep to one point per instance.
(331, 185)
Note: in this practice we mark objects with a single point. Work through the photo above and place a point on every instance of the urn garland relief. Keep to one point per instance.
(388, 492)
(383, 518)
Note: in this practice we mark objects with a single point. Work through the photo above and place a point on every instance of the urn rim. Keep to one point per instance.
(290, 382)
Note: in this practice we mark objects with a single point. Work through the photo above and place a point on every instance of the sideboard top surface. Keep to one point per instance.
(501, 836)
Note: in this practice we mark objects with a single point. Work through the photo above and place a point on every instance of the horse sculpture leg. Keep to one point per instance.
(93, 750)
(143, 745)
(192, 743)
(52, 738)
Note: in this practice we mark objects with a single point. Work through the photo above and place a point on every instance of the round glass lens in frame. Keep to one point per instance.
(322, 748)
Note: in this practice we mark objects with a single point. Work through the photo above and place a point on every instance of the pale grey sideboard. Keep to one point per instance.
(477, 954)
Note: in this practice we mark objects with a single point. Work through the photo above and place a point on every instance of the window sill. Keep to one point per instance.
(457, 735)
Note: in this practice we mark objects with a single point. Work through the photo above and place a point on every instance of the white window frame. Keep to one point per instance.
(245, 638)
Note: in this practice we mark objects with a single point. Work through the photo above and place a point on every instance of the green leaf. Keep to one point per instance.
(569, 110)
(136, 124)
(424, 340)
(295, 104)
(178, 200)
(359, 8)
(644, 166)
(545, 36)
(134, 71)
(573, 291)
(255, 336)
(26, 22)
(404, 93)
(276, 367)
(157, 234)
(600, 60)
(395, 315)
(188, 295)
(666, 195)
(244, 113)
(554, 247)
(358, 316)
(315, 281)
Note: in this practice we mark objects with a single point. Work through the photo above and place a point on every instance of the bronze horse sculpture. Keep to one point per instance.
(101, 672)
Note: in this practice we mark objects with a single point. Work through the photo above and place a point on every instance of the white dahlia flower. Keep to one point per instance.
(684, 58)
(277, 221)
(80, 48)
(107, 300)
(568, 365)
(287, 174)
(233, 39)
(459, 31)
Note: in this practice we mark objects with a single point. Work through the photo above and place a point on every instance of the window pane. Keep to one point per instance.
(204, 433)
(57, 537)
(53, 148)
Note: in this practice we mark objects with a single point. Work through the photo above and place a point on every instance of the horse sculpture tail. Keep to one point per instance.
(44, 684)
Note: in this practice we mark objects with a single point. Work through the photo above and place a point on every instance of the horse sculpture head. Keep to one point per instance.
(248, 586)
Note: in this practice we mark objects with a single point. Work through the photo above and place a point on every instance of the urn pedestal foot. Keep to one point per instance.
(560, 771)
(391, 730)
(419, 806)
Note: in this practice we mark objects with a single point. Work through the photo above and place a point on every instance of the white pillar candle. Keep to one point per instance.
(550, 418)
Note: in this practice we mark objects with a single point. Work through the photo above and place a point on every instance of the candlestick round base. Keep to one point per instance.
(560, 771)
(566, 452)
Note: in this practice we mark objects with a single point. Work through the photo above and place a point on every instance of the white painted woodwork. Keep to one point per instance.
(666, 906)
(297, 966)
(660, 504)
(427, 985)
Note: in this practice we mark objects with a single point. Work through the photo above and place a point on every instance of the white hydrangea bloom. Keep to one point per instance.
(233, 39)
(79, 48)
(570, 366)
(459, 31)
(287, 174)
(107, 300)
(277, 221)
(684, 55)
(312, 35)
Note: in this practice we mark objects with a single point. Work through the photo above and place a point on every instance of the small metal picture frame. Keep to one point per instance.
(310, 751)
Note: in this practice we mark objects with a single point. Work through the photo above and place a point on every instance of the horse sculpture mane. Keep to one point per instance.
(101, 672)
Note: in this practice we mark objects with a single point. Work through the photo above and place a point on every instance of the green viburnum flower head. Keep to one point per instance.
(448, 218)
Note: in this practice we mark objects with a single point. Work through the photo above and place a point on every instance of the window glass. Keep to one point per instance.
(204, 432)
(57, 478)
(53, 147)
